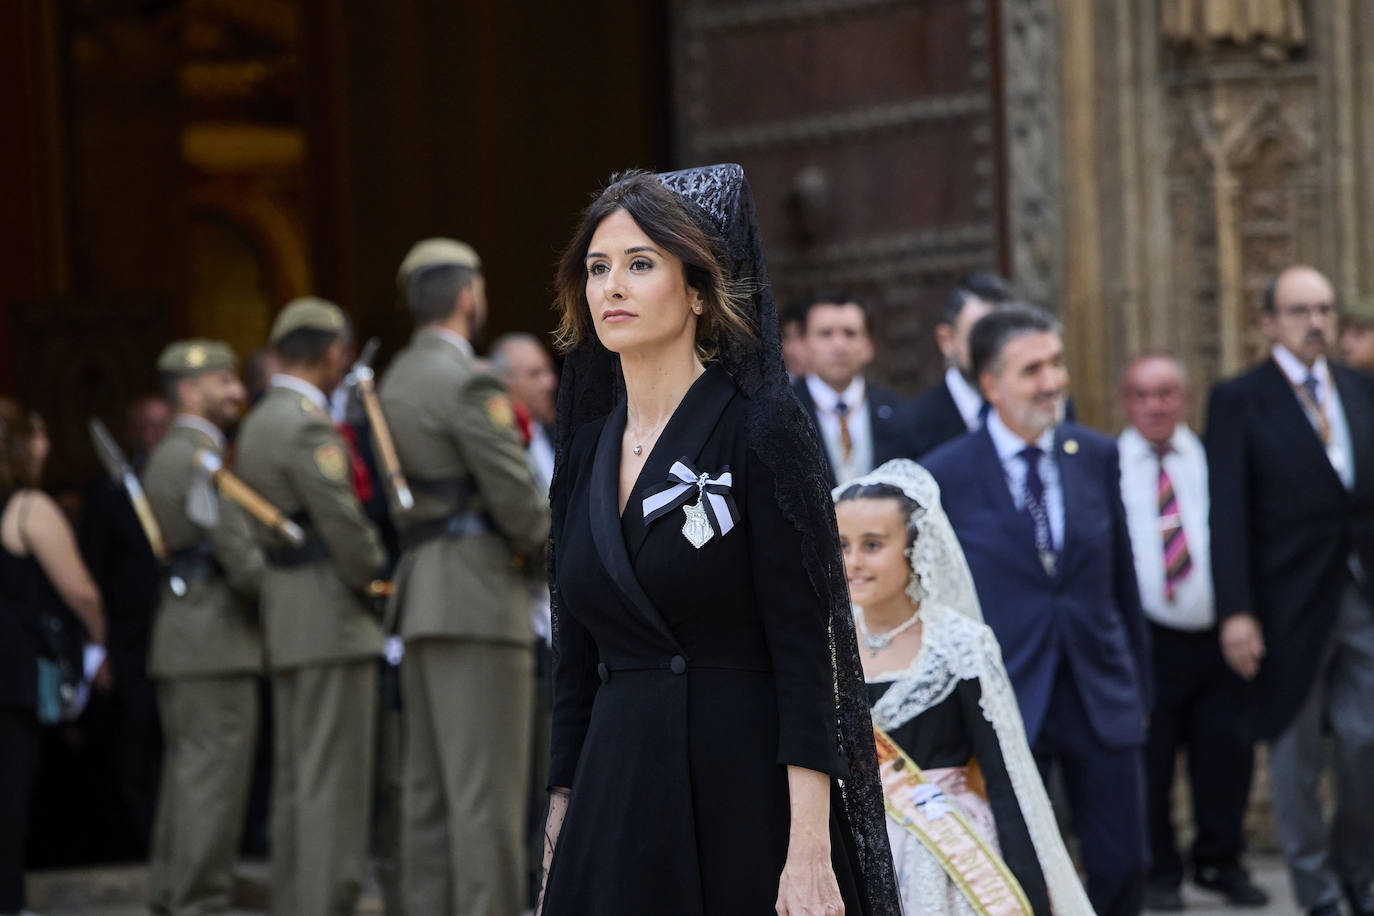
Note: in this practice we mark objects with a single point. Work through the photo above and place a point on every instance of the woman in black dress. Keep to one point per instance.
(707, 691)
(39, 566)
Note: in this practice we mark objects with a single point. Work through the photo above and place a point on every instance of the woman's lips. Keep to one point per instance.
(613, 316)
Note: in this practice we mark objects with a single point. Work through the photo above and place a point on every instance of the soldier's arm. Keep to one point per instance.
(320, 474)
(236, 550)
(484, 428)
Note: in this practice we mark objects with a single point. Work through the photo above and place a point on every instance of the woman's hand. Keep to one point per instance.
(807, 886)
(553, 825)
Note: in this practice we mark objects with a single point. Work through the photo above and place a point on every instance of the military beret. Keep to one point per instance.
(1359, 309)
(307, 312)
(437, 252)
(192, 357)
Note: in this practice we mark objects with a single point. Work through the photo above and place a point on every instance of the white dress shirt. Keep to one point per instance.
(1009, 447)
(1339, 451)
(1186, 464)
(860, 427)
(967, 398)
(541, 456)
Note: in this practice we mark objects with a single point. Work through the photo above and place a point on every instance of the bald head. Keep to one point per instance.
(528, 371)
(1154, 395)
(1299, 312)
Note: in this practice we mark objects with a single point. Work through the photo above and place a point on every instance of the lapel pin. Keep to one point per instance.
(1070, 446)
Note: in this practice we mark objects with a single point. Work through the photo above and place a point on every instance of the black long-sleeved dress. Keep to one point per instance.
(686, 681)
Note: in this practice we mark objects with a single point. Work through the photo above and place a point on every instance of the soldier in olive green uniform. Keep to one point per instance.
(206, 650)
(460, 602)
(323, 639)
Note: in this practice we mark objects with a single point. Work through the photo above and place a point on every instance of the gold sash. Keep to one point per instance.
(917, 804)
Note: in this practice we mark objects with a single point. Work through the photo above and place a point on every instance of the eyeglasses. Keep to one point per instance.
(1305, 312)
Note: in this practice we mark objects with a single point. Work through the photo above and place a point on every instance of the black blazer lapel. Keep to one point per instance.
(1359, 416)
(993, 478)
(1280, 405)
(804, 396)
(885, 426)
(603, 504)
(947, 418)
(683, 438)
(1069, 461)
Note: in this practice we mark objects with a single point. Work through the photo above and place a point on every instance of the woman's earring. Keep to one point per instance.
(697, 309)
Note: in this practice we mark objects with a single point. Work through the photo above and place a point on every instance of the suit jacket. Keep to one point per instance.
(1283, 524)
(213, 627)
(1087, 614)
(453, 422)
(290, 452)
(935, 420)
(888, 422)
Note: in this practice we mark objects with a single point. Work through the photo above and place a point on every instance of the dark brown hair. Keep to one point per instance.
(662, 217)
(16, 436)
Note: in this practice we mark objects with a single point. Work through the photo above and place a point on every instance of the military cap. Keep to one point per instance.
(307, 312)
(1359, 310)
(437, 252)
(192, 357)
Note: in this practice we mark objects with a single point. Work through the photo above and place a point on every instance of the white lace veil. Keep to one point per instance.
(939, 573)
(957, 646)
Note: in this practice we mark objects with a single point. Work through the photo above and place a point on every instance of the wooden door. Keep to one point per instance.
(870, 131)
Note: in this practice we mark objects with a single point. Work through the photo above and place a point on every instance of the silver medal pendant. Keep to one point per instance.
(697, 529)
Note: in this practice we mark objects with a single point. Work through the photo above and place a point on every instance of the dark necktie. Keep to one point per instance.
(1307, 393)
(1177, 561)
(1035, 506)
(846, 443)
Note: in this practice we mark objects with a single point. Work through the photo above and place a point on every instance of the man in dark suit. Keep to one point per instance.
(1036, 504)
(860, 425)
(955, 406)
(1290, 450)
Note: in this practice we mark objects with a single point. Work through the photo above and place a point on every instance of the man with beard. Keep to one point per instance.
(956, 406)
(1036, 504)
(1290, 453)
(461, 602)
(206, 648)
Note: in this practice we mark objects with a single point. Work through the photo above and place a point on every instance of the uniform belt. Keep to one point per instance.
(313, 550)
(196, 563)
(456, 490)
(458, 525)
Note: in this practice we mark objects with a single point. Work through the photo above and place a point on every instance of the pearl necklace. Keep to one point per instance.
(879, 642)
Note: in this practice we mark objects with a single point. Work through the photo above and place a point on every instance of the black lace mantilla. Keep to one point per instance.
(719, 200)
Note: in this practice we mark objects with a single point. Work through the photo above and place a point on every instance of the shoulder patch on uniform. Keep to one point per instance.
(330, 459)
(500, 412)
(310, 406)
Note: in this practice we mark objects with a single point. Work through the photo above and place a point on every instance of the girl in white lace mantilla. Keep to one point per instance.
(940, 692)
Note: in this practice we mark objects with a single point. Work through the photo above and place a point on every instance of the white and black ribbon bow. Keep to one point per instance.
(685, 484)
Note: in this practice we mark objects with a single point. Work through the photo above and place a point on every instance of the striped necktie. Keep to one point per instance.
(846, 442)
(1177, 562)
